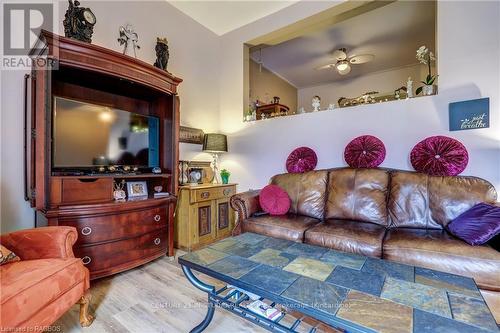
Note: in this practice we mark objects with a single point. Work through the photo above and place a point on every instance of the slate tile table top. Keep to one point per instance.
(346, 290)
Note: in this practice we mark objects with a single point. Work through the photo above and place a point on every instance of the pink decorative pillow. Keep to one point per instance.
(439, 156)
(274, 200)
(364, 152)
(301, 160)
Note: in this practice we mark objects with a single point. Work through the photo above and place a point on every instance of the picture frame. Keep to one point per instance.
(191, 135)
(469, 115)
(137, 189)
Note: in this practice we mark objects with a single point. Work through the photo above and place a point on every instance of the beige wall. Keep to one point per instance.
(264, 85)
(194, 57)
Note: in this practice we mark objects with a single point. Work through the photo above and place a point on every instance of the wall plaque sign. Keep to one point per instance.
(471, 114)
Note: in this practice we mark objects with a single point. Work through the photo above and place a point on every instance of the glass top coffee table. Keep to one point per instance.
(346, 291)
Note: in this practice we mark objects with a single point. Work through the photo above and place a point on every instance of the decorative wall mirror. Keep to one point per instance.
(355, 53)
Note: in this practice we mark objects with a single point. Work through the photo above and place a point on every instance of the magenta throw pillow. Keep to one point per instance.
(365, 151)
(439, 156)
(477, 225)
(274, 200)
(301, 160)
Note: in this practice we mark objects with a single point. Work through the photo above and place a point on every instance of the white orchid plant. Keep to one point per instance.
(425, 56)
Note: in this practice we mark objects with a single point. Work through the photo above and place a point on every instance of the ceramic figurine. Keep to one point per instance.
(316, 103)
(162, 53)
(130, 38)
(409, 88)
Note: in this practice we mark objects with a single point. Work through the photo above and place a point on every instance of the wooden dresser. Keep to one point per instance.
(203, 215)
(112, 236)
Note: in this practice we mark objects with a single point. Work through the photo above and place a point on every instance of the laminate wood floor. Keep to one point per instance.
(155, 297)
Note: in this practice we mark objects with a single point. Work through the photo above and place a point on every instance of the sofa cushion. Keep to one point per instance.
(478, 225)
(348, 236)
(417, 200)
(436, 249)
(7, 255)
(274, 200)
(306, 191)
(30, 285)
(358, 195)
(290, 226)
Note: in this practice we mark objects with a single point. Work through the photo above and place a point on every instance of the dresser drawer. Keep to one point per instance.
(76, 190)
(112, 227)
(204, 194)
(98, 258)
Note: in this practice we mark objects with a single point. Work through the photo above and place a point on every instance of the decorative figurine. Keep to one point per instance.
(276, 100)
(130, 38)
(162, 53)
(79, 22)
(409, 88)
(118, 191)
(316, 103)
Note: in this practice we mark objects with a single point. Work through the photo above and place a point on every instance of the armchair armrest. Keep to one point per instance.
(245, 204)
(42, 243)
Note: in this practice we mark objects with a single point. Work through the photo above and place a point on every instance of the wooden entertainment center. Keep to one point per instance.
(112, 236)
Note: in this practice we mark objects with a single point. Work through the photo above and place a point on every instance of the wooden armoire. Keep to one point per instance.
(112, 236)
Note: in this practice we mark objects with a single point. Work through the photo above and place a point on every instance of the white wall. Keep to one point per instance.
(193, 57)
(385, 82)
(259, 149)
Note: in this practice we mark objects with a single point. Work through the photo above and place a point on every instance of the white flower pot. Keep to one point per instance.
(429, 90)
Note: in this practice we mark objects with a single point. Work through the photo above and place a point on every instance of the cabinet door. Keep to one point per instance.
(205, 216)
(225, 218)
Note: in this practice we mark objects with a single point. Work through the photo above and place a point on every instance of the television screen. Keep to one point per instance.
(89, 135)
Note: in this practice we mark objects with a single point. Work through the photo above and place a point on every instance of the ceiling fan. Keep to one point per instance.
(343, 62)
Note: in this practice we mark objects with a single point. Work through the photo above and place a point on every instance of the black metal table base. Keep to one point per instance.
(232, 303)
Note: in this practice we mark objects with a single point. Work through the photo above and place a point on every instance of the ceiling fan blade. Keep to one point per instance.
(361, 59)
(339, 54)
(326, 66)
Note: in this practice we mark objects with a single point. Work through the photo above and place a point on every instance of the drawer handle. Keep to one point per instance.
(157, 218)
(157, 241)
(86, 260)
(205, 195)
(227, 191)
(86, 231)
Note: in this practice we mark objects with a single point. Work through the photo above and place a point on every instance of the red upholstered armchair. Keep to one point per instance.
(37, 290)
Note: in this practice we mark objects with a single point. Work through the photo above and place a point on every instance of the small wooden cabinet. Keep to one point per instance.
(203, 215)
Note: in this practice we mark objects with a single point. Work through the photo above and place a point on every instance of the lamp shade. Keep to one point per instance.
(215, 143)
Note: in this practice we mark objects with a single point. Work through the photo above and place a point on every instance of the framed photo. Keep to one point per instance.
(191, 135)
(137, 189)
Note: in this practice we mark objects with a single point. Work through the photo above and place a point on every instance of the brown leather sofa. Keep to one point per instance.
(390, 214)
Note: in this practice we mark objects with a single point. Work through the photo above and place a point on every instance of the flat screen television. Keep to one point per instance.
(87, 136)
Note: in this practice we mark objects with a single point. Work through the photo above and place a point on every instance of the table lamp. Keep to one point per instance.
(215, 144)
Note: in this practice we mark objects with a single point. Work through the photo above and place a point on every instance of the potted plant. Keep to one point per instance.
(224, 175)
(425, 56)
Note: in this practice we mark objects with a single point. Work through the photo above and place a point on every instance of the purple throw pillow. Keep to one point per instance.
(365, 151)
(477, 225)
(302, 159)
(439, 156)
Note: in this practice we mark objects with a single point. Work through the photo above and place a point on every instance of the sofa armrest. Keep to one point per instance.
(245, 204)
(41, 243)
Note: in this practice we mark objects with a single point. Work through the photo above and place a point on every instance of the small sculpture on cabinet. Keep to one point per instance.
(79, 22)
(162, 53)
(130, 38)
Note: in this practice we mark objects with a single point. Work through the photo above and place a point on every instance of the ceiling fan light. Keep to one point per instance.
(345, 71)
(343, 66)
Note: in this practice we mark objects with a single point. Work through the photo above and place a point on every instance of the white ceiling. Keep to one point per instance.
(224, 16)
(392, 33)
